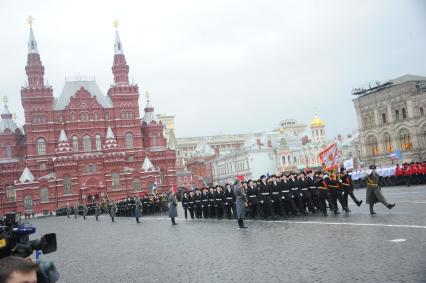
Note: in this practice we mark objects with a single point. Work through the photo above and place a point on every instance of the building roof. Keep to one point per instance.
(407, 78)
(71, 88)
(32, 43)
(63, 136)
(118, 47)
(26, 176)
(149, 113)
(7, 121)
(317, 122)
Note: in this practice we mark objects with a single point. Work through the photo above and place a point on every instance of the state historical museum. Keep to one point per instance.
(82, 145)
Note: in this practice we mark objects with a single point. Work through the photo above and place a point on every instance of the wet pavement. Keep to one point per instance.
(387, 247)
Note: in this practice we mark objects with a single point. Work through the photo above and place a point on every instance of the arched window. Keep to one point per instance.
(387, 140)
(67, 186)
(405, 140)
(44, 195)
(154, 141)
(384, 118)
(74, 143)
(8, 151)
(421, 110)
(115, 181)
(87, 143)
(106, 116)
(28, 202)
(41, 146)
(72, 117)
(372, 146)
(136, 184)
(404, 113)
(10, 194)
(98, 142)
(95, 116)
(129, 140)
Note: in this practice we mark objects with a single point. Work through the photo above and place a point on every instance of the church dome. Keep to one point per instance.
(317, 122)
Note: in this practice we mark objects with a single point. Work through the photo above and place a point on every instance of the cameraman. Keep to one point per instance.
(17, 270)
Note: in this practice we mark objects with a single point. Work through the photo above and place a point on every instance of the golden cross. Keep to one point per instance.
(30, 21)
(5, 99)
(147, 95)
(115, 24)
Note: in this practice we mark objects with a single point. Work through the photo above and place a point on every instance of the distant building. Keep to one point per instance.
(391, 116)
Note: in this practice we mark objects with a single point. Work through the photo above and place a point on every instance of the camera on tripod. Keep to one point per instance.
(14, 238)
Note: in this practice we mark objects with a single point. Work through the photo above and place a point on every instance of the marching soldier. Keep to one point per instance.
(138, 207)
(289, 206)
(305, 193)
(185, 203)
(197, 204)
(296, 194)
(336, 194)
(113, 211)
(276, 201)
(325, 195)
(68, 209)
(205, 202)
(252, 195)
(212, 205)
(229, 202)
(191, 202)
(219, 195)
(84, 211)
(264, 197)
(348, 190)
(76, 210)
(97, 211)
(374, 193)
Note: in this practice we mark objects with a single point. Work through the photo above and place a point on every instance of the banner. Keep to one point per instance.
(329, 157)
(397, 155)
(348, 164)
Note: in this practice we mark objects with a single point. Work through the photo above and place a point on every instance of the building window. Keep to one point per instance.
(74, 143)
(41, 146)
(397, 115)
(28, 202)
(283, 159)
(129, 140)
(8, 151)
(95, 116)
(44, 195)
(130, 159)
(421, 111)
(115, 181)
(87, 144)
(288, 159)
(388, 144)
(67, 185)
(136, 185)
(106, 116)
(42, 165)
(373, 146)
(98, 142)
(405, 141)
(10, 194)
(154, 141)
(383, 118)
(404, 113)
(72, 117)
(93, 168)
(86, 169)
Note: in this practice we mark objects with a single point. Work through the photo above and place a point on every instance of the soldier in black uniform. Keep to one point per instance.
(253, 198)
(219, 196)
(305, 193)
(265, 197)
(197, 204)
(191, 204)
(185, 203)
(323, 184)
(212, 205)
(229, 201)
(289, 207)
(348, 190)
(276, 200)
(336, 193)
(313, 189)
(296, 194)
(205, 202)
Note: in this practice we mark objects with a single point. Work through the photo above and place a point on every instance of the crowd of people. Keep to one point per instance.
(283, 195)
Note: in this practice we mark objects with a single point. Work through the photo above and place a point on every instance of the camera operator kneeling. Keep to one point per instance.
(15, 269)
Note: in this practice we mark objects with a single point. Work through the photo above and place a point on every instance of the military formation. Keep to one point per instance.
(282, 196)
(132, 206)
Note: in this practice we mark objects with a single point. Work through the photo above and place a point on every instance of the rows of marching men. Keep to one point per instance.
(275, 196)
(405, 174)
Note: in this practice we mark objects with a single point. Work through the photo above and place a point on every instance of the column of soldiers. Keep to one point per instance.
(275, 196)
(405, 174)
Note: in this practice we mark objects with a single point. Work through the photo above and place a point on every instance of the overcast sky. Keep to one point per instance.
(222, 66)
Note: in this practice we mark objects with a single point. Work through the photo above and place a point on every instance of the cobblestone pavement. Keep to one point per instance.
(345, 248)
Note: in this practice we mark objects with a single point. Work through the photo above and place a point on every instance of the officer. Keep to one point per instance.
(84, 211)
(205, 202)
(229, 201)
(191, 204)
(212, 204)
(97, 211)
(77, 205)
(113, 210)
(218, 197)
(374, 193)
(185, 202)
(252, 195)
(68, 209)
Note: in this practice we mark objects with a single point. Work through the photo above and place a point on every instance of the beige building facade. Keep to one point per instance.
(391, 116)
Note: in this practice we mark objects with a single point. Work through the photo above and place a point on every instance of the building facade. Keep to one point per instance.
(391, 116)
(81, 145)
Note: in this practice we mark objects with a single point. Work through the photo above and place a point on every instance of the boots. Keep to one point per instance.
(359, 203)
(390, 206)
(173, 221)
(241, 223)
(371, 209)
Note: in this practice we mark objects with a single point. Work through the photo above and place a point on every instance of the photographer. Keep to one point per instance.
(17, 270)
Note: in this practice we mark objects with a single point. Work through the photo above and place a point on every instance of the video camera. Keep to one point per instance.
(14, 238)
(14, 241)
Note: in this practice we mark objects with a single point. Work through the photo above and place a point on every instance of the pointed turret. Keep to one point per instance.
(34, 68)
(152, 130)
(64, 147)
(149, 112)
(7, 122)
(110, 141)
(26, 176)
(120, 69)
(147, 165)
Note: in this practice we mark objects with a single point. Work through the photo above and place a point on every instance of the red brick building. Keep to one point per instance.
(81, 145)
(201, 170)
